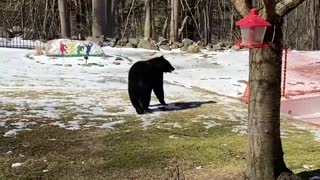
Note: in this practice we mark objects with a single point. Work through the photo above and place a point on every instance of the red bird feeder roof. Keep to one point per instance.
(253, 20)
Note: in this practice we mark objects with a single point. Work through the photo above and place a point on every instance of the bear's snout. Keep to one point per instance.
(172, 69)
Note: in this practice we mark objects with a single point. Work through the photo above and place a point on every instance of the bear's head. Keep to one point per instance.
(162, 64)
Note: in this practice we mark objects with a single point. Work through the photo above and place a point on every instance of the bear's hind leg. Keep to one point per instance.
(146, 101)
(136, 103)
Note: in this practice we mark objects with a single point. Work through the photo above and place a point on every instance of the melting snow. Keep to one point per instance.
(111, 124)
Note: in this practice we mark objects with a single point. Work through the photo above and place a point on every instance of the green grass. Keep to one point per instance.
(129, 151)
(301, 149)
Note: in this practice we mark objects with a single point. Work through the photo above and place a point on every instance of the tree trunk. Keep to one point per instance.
(98, 17)
(147, 23)
(265, 156)
(174, 20)
(313, 28)
(64, 19)
(111, 7)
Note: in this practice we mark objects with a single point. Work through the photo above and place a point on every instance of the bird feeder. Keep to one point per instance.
(253, 28)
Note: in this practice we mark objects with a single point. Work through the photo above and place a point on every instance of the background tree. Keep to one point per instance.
(211, 21)
(98, 17)
(64, 19)
(174, 20)
(111, 17)
(265, 154)
(148, 19)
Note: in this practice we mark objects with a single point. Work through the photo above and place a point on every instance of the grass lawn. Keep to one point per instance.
(186, 144)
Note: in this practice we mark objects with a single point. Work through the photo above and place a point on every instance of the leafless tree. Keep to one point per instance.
(64, 19)
(98, 17)
(174, 20)
(148, 19)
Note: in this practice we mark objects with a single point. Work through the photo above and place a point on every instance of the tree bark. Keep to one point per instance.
(147, 23)
(265, 155)
(111, 7)
(98, 17)
(174, 20)
(64, 19)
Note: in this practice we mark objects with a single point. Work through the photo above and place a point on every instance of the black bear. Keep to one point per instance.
(145, 76)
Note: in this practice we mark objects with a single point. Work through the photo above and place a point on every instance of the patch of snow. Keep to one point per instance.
(11, 133)
(241, 129)
(173, 137)
(306, 166)
(211, 124)
(73, 125)
(316, 133)
(59, 124)
(2, 124)
(176, 125)
(14, 165)
(22, 125)
(111, 124)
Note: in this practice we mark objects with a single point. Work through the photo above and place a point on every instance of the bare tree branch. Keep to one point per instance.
(243, 6)
(269, 9)
(284, 7)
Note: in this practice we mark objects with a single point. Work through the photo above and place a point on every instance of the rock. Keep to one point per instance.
(93, 64)
(73, 48)
(202, 46)
(16, 31)
(113, 44)
(163, 41)
(235, 48)
(175, 46)
(116, 63)
(209, 46)
(119, 59)
(109, 39)
(123, 41)
(39, 51)
(216, 47)
(129, 45)
(165, 47)
(288, 176)
(221, 44)
(229, 45)
(67, 65)
(187, 42)
(74, 37)
(134, 41)
(4, 33)
(146, 44)
(115, 40)
(97, 40)
(184, 48)
(193, 49)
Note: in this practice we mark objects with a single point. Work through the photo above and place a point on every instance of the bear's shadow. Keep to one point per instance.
(179, 106)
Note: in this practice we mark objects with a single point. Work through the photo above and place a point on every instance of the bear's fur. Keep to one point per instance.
(145, 76)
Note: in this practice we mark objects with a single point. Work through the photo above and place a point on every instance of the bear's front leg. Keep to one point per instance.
(158, 91)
